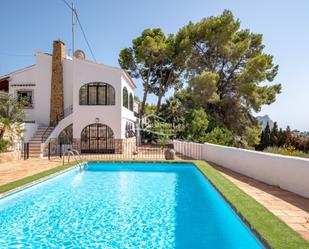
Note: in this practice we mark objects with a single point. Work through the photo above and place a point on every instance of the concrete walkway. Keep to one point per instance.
(289, 207)
(15, 170)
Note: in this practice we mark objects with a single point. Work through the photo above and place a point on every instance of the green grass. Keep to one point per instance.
(269, 228)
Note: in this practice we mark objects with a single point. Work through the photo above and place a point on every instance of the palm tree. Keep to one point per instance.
(11, 116)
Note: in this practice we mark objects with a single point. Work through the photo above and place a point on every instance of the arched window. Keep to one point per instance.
(131, 102)
(97, 93)
(125, 97)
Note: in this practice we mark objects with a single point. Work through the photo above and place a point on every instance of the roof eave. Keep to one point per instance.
(129, 78)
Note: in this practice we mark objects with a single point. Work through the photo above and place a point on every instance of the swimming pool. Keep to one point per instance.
(123, 205)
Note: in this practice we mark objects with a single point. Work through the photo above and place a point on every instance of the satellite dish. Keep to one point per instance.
(79, 54)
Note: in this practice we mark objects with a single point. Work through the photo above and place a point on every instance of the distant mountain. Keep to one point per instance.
(263, 120)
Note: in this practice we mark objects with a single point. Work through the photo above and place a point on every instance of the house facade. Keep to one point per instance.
(74, 101)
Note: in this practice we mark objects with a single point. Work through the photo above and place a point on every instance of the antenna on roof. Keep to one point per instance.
(73, 23)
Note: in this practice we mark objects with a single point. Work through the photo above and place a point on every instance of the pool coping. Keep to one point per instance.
(255, 231)
(34, 183)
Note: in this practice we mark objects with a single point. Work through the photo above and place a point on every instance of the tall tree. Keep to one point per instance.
(173, 111)
(281, 137)
(225, 67)
(152, 58)
(198, 126)
(266, 142)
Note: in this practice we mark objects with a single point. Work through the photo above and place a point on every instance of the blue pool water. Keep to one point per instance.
(123, 205)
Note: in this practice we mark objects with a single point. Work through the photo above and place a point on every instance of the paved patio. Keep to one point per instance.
(18, 169)
(291, 208)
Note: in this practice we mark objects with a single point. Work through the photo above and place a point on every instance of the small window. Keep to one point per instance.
(125, 97)
(26, 97)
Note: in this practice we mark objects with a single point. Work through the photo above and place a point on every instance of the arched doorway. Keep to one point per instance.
(97, 138)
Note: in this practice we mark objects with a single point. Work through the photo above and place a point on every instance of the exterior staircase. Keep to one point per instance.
(36, 140)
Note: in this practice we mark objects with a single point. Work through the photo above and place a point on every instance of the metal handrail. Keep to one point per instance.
(78, 160)
(44, 137)
(67, 111)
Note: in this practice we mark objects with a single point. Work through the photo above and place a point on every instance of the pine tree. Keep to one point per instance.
(281, 138)
(266, 137)
(274, 136)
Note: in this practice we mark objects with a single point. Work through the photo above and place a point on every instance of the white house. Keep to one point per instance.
(75, 101)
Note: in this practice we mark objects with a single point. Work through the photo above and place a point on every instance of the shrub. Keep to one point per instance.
(3, 145)
(220, 136)
(287, 151)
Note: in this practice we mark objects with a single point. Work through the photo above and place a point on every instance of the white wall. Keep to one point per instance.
(67, 83)
(25, 76)
(290, 173)
(29, 131)
(76, 73)
(127, 114)
(40, 75)
(42, 90)
(83, 115)
(64, 123)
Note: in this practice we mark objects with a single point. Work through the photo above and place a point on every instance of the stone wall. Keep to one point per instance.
(125, 146)
(56, 96)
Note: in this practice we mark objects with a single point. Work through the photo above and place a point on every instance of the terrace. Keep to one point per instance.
(288, 210)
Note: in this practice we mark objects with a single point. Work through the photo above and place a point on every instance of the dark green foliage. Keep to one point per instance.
(11, 116)
(266, 137)
(225, 66)
(227, 72)
(283, 142)
(3, 145)
(220, 136)
(153, 58)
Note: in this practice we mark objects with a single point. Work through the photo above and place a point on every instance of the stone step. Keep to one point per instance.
(35, 150)
(35, 140)
(35, 147)
(34, 144)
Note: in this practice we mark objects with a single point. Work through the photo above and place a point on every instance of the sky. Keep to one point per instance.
(32, 25)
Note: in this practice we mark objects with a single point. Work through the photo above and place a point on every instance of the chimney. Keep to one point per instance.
(56, 94)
